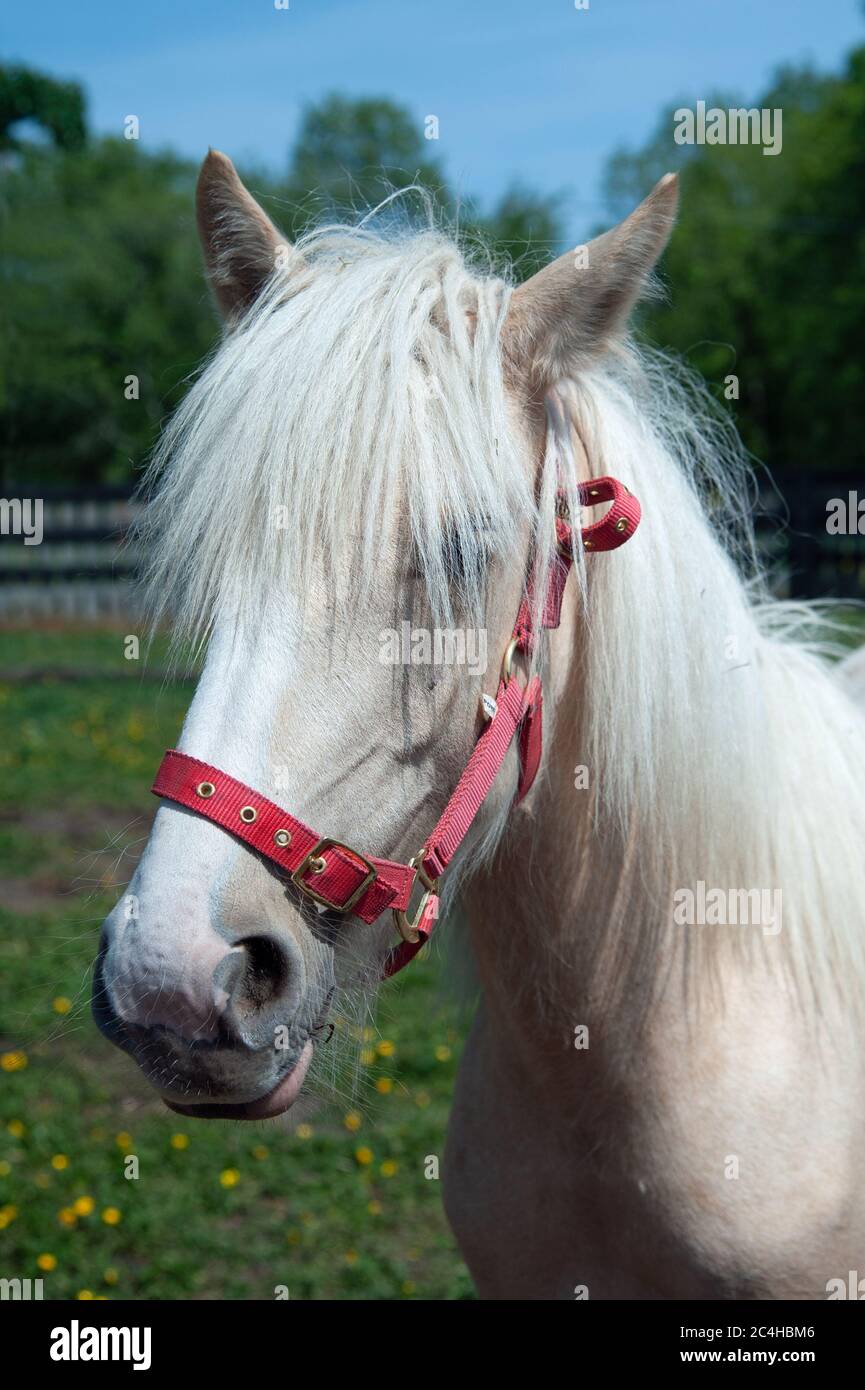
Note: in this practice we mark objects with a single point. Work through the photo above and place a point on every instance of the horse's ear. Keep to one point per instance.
(239, 241)
(572, 311)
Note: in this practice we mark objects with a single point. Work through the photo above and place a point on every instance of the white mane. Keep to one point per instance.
(363, 386)
(717, 733)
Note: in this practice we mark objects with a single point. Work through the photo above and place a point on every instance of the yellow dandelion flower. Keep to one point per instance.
(374, 1208)
(61, 1005)
(364, 1156)
(13, 1061)
(84, 1295)
(9, 1211)
(83, 1206)
(47, 1262)
(5, 1220)
(384, 1085)
(66, 1216)
(60, 1161)
(385, 1048)
(179, 1141)
(261, 1151)
(350, 1257)
(304, 1131)
(124, 1141)
(111, 1276)
(5, 1168)
(442, 1053)
(368, 1035)
(388, 1168)
(111, 1216)
(229, 1177)
(368, 1056)
(16, 1129)
(353, 1120)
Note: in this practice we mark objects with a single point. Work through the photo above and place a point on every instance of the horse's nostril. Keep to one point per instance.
(266, 973)
(264, 980)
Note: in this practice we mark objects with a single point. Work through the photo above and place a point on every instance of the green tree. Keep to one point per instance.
(56, 106)
(102, 281)
(349, 155)
(766, 271)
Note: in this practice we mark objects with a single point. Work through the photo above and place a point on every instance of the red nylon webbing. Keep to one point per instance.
(178, 778)
(478, 776)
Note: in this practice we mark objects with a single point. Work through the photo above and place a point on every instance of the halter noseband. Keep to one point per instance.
(338, 877)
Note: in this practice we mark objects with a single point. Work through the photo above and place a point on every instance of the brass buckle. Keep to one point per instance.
(563, 513)
(317, 852)
(408, 930)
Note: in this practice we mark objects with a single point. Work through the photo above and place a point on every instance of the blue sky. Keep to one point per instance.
(529, 90)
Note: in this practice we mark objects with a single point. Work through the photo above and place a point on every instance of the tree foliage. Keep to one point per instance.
(101, 277)
(58, 107)
(766, 271)
(106, 313)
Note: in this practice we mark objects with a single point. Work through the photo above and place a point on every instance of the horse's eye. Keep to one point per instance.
(464, 563)
(453, 556)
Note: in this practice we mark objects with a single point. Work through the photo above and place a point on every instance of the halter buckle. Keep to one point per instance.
(317, 852)
(407, 929)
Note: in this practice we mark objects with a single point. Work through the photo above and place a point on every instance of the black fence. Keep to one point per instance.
(84, 566)
(805, 557)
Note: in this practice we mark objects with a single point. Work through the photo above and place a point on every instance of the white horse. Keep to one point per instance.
(662, 1092)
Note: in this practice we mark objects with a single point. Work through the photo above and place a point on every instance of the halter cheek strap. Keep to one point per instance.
(337, 877)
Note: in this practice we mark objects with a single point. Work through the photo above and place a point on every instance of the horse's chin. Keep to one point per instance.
(275, 1102)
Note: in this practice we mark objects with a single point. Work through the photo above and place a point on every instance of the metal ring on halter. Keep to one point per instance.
(508, 659)
(409, 930)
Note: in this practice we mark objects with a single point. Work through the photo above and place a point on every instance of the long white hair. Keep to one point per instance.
(721, 743)
(362, 390)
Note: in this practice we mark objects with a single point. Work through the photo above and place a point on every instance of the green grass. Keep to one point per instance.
(331, 1202)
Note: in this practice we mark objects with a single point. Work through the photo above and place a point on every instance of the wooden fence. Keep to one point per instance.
(84, 567)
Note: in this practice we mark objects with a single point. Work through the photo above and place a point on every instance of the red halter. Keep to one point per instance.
(341, 879)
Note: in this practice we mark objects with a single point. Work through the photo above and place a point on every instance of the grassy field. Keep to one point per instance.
(332, 1203)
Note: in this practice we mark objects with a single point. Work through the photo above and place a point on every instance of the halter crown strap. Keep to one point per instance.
(337, 877)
